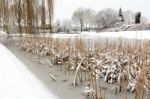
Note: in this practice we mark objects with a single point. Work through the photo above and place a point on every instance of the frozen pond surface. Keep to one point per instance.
(91, 37)
(140, 35)
(17, 82)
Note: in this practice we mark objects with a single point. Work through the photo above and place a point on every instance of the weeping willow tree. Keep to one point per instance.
(30, 16)
(11, 15)
(5, 15)
(50, 10)
(43, 15)
(19, 11)
(1, 14)
(22, 16)
(36, 9)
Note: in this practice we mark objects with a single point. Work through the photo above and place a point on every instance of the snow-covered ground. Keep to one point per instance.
(123, 34)
(2, 33)
(17, 82)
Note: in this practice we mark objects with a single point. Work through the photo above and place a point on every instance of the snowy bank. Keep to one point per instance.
(17, 82)
(124, 34)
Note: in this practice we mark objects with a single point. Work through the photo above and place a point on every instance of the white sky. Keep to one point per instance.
(65, 8)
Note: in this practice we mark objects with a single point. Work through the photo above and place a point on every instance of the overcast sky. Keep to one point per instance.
(65, 8)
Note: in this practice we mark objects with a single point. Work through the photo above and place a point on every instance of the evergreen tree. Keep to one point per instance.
(138, 17)
(121, 15)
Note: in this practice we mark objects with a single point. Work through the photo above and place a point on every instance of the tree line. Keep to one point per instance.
(85, 19)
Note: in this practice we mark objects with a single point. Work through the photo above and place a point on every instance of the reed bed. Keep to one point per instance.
(122, 63)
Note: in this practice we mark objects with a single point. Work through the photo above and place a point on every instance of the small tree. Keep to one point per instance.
(129, 17)
(138, 17)
(106, 18)
(58, 26)
(83, 16)
(78, 17)
(67, 25)
(89, 18)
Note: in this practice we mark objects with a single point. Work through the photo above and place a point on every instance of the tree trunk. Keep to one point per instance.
(43, 15)
(50, 10)
(81, 26)
(30, 16)
(19, 16)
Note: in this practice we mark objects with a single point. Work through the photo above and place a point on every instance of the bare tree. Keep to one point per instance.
(18, 13)
(50, 10)
(129, 17)
(24, 15)
(78, 17)
(66, 25)
(144, 20)
(58, 26)
(89, 18)
(1, 12)
(30, 16)
(12, 18)
(37, 15)
(43, 15)
(5, 16)
(106, 18)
